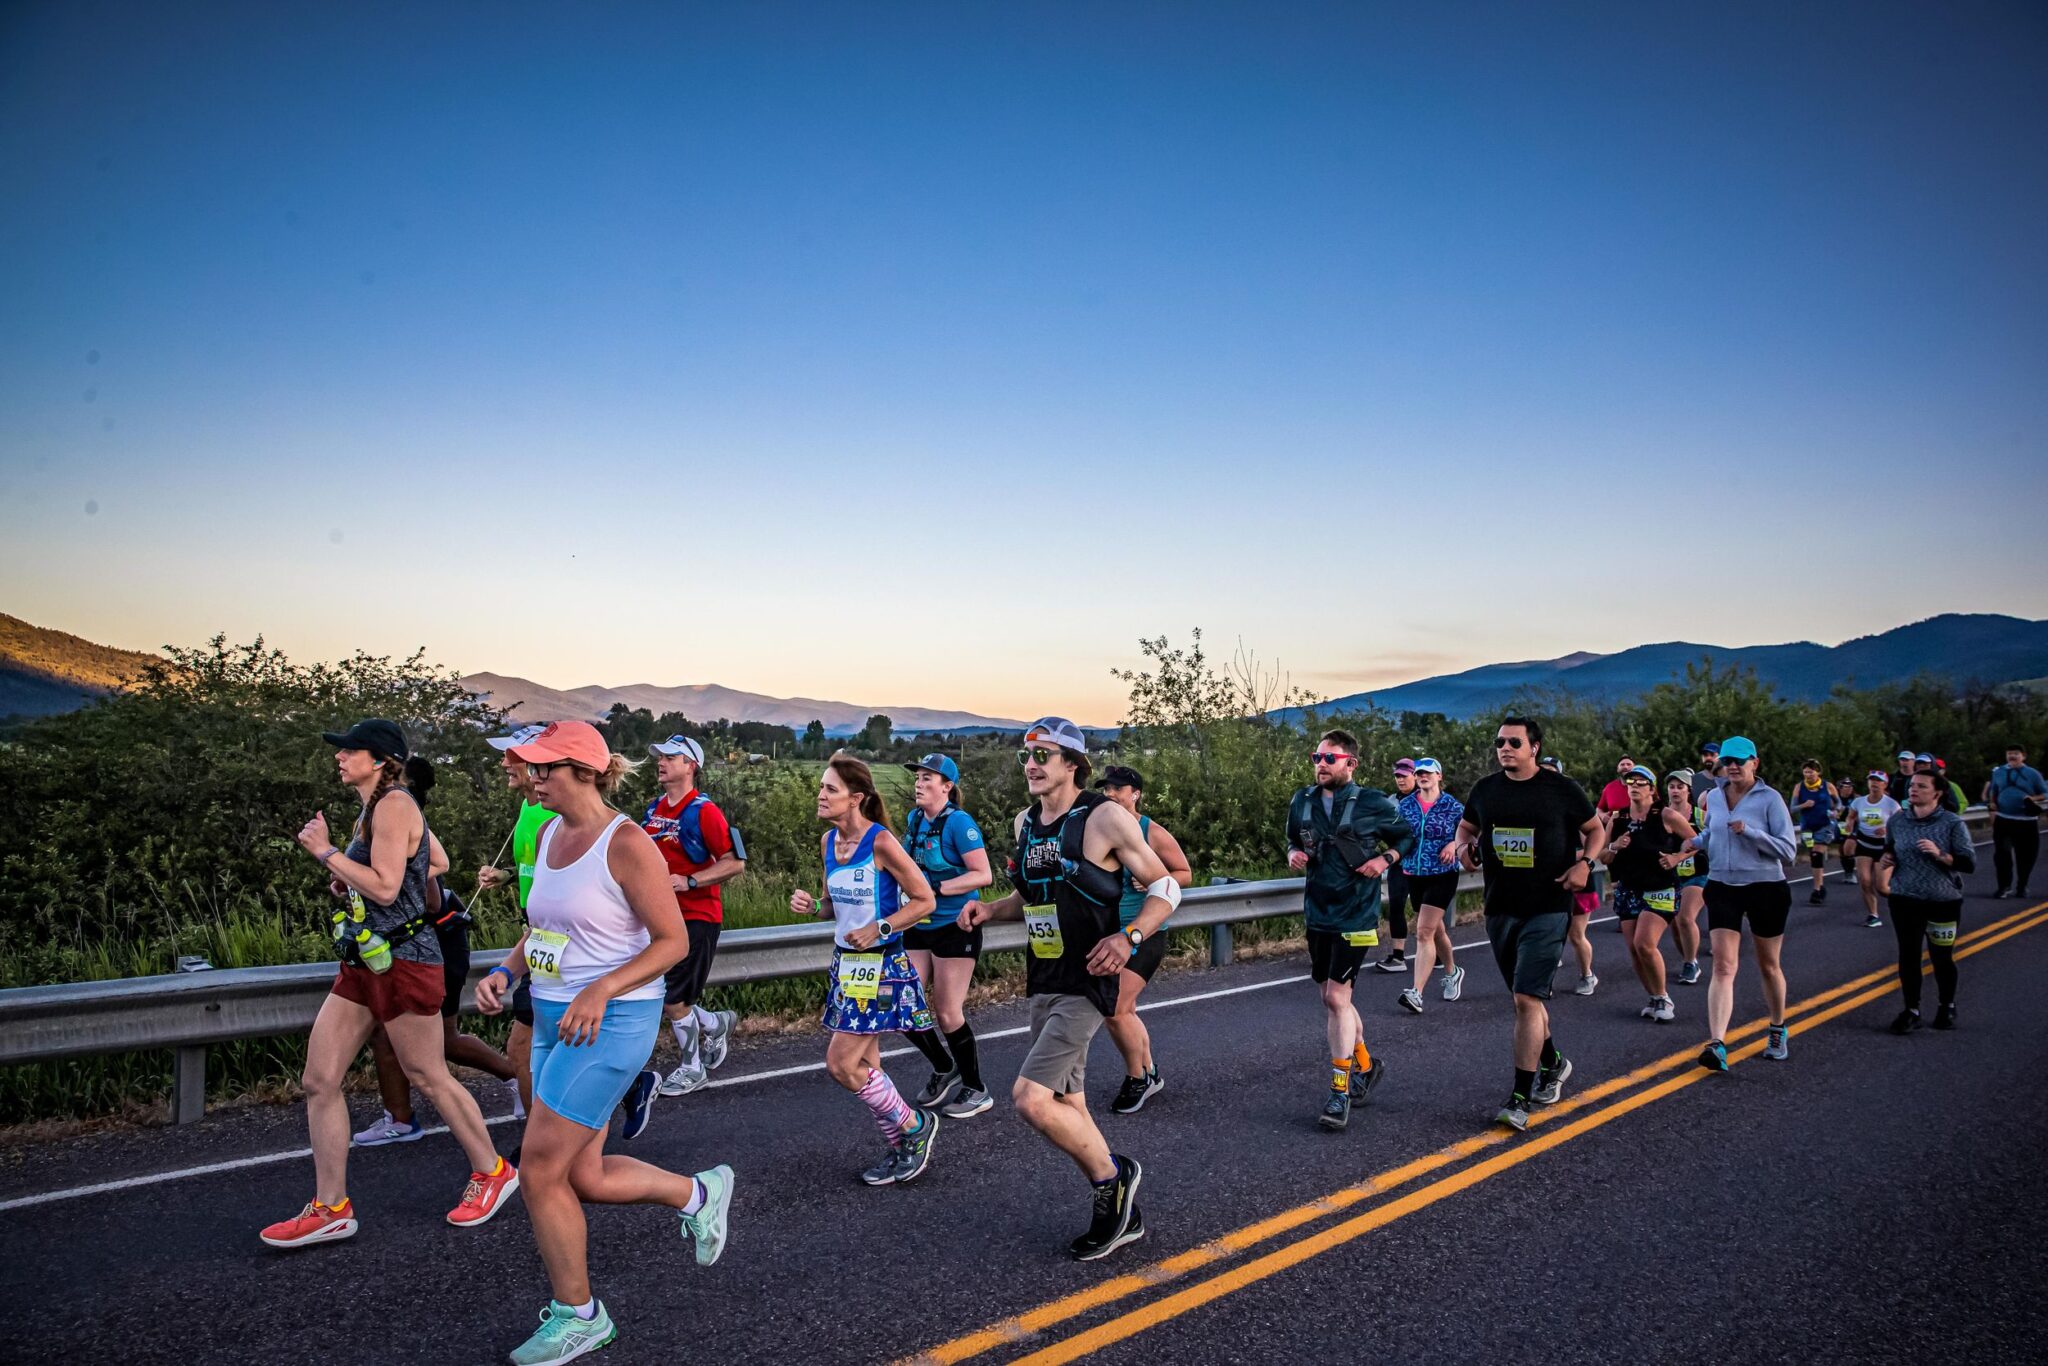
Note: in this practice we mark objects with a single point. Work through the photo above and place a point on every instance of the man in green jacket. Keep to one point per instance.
(1344, 838)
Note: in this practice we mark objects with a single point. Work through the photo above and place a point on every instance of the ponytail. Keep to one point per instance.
(615, 772)
(390, 776)
(419, 778)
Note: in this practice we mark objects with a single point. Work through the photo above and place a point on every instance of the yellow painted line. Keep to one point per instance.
(1009, 1331)
(1281, 1259)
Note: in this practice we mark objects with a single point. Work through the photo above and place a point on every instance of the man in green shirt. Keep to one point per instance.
(525, 849)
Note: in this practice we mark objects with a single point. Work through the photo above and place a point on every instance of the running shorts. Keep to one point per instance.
(897, 1007)
(1527, 950)
(1438, 889)
(1767, 905)
(1062, 1027)
(1585, 903)
(1149, 956)
(684, 981)
(584, 1083)
(1872, 852)
(1633, 905)
(1334, 957)
(454, 937)
(408, 988)
(1697, 880)
(944, 941)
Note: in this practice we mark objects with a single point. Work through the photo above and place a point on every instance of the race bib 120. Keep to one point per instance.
(1514, 848)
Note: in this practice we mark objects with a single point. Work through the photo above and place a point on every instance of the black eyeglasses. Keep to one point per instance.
(1039, 756)
(539, 772)
(1507, 742)
(1328, 756)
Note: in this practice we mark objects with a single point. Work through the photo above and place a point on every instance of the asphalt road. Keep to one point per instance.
(1872, 1198)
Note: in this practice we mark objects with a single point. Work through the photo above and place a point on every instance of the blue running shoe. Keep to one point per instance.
(640, 1103)
(1714, 1057)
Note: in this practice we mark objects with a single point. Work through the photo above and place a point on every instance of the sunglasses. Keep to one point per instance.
(1036, 755)
(1507, 742)
(1329, 756)
(1636, 782)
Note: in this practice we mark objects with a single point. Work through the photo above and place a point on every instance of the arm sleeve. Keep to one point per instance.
(1960, 847)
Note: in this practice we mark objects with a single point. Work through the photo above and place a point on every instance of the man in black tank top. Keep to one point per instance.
(1073, 849)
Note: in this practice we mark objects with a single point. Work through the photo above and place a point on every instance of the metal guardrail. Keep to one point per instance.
(187, 1011)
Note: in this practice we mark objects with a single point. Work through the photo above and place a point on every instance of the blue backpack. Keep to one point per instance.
(689, 831)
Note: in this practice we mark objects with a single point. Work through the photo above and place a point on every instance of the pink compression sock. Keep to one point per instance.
(892, 1115)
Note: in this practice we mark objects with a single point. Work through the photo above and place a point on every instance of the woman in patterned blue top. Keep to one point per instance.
(872, 891)
(1433, 814)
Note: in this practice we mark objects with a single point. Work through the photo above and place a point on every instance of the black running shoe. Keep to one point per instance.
(1109, 1228)
(640, 1103)
(1907, 1022)
(1363, 1082)
(1336, 1110)
(1945, 1017)
(937, 1088)
(1136, 1091)
(1396, 961)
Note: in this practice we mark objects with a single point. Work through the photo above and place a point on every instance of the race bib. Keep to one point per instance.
(1685, 869)
(1515, 848)
(1873, 822)
(1363, 939)
(526, 872)
(1664, 901)
(1942, 933)
(1806, 839)
(1042, 928)
(544, 952)
(860, 975)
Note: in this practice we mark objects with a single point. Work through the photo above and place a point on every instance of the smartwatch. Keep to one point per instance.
(690, 883)
(1136, 936)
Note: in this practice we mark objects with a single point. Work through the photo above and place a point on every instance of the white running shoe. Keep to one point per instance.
(1586, 985)
(388, 1130)
(684, 1080)
(1411, 1000)
(715, 1042)
(512, 1094)
(1454, 984)
(1665, 1012)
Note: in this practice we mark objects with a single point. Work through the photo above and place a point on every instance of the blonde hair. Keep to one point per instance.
(615, 772)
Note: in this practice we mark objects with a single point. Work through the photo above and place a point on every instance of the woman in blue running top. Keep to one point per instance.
(872, 892)
(947, 847)
(1433, 814)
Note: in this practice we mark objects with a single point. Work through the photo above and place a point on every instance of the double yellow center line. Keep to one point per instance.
(1558, 1127)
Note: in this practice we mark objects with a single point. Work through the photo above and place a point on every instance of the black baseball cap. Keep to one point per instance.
(380, 737)
(1119, 776)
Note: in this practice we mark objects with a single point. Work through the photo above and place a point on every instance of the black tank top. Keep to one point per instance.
(409, 906)
(1636, 867)
(1052, 869)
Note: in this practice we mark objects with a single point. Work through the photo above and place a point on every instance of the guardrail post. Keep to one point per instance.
(188, 1065)
(1220, 946)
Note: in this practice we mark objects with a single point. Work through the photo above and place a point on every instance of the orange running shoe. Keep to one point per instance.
(485, 1195)
(316, 1223)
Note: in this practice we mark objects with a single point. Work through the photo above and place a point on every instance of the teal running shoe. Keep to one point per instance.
(706, 1228)
(1714, 1057)
(564, 1337)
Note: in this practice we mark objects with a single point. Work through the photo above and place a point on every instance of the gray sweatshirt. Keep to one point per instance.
(1766, 844)
(1914, 874)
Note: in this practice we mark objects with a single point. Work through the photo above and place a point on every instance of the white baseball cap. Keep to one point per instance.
(525, 735)
(679, 744)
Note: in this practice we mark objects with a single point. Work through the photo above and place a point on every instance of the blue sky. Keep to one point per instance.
(935, 354)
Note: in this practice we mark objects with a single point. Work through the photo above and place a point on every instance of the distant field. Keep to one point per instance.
(893, 781)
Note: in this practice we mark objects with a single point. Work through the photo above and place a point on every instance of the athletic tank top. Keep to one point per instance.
(1051, 870)
(409, 905)
(1134, 895)
(578, 924)
(861, 889)
(1636, 867)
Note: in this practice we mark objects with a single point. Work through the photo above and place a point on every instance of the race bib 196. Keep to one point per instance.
(1042, 928)
(544, 952)
(860, 975)
(1515, 848)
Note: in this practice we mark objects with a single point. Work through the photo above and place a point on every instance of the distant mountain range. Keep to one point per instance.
(1980, 648)
(44, 672)
(709, 702)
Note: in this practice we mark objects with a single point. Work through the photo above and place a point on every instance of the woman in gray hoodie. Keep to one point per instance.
(1926, 847)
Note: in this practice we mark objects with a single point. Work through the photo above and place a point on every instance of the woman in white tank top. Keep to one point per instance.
(602, 927)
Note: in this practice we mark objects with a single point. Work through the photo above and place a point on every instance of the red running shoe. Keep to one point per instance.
(316, 1223)
(485, 1195)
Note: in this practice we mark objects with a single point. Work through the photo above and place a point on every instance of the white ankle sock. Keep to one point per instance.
(587, 1310)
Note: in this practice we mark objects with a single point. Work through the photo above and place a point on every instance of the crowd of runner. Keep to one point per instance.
(622, 921)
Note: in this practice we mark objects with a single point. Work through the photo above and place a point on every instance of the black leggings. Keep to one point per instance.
(1397, 906)
(1911, 919)
(2014, 842)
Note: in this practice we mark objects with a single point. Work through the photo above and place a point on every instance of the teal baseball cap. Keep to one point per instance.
(1739, 747)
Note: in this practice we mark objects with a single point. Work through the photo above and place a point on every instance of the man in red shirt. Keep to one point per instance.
(702, 853)
(1614, 796)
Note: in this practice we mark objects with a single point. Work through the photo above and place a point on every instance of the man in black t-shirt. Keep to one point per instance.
(1536, 836)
